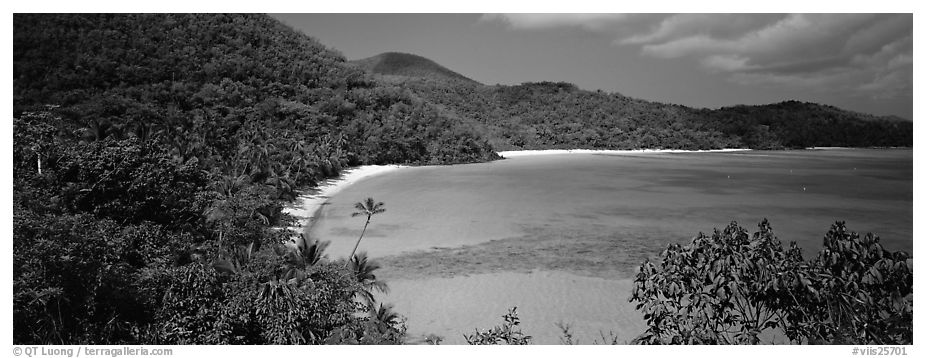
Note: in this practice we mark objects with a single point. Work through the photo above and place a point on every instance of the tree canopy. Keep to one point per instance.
(552, 115)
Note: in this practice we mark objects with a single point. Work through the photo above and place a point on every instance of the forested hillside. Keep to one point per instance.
(544, 115)
(794, 124)
(151, 156)
(408, 65)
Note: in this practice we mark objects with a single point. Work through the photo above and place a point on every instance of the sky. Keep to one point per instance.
(859, 62)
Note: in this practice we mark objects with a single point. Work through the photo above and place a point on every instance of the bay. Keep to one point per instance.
(675, 195)
(560, 235)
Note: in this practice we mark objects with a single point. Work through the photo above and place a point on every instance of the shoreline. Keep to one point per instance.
(539, 271)
(306, 206)
(525, 153)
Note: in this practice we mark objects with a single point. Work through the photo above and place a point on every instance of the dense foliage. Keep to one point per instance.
(151, 158)
(546, 115)
(116, 242)
(793, 124)
(728, 288)
(241, 93)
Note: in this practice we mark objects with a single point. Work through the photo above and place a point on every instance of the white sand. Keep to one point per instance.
(450, 307)
(524, 153)
(306, 206)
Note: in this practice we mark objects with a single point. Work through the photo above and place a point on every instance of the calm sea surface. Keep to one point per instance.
(664, 197)
(558, 236)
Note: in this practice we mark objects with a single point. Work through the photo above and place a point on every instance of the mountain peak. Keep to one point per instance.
(408, 65)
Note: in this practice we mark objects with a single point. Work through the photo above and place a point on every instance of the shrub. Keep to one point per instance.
(251, 299)
(382, 326)
(728, 288)
(73, 278)
(508, 333)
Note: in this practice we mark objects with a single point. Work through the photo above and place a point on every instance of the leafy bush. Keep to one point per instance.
(508, 333)
(74, 277)
(381, 326)
(129, 181)
(251, 299)
(728, 288)
(858, 292)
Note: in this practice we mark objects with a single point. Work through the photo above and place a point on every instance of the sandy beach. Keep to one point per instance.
(451, 307)
(306, 206)
(523, 153)
(479, 300)
(461, 244)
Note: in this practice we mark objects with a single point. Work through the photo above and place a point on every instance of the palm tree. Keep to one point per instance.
(363, 270)
(369, 208)
(385, 315)
(299, 260)
(310, 252)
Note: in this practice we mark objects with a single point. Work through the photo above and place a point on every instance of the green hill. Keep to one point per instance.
(210, 81)
(408, 65)
(543, 115)
(794, 124)
(152, 154)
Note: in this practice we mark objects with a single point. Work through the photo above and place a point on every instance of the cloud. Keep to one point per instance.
(857, 54)
(719, 26)
(592, 22)
(726, 63)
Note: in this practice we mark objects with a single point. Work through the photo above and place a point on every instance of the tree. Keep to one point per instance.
(728, 288)
(363, 270)
(369, 208)
(310, 251)
(131, 181)
(385, 315)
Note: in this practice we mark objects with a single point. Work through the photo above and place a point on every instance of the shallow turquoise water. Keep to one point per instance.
(622, 207)
(663, 198)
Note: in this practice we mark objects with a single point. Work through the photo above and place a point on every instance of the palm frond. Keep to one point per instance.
(316, 252)
(367, 297)
(363, 269)
(368, 207)
(310, 251)
(360, 206)
(385, 314)
(381, 286)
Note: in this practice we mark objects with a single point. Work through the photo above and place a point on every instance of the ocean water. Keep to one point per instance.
(667, 197)
(559, 235)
